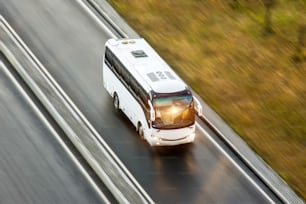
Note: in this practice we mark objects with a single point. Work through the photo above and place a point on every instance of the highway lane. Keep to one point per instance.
(70, 45)
(34, 166)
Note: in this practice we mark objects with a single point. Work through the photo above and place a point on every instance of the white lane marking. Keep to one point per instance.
(58, 138)
(96, 19)
(235, 164)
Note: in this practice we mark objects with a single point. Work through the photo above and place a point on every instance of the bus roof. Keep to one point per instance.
(151, 71)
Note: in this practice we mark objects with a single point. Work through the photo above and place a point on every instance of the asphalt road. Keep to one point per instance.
(34, 167)
(69, 43)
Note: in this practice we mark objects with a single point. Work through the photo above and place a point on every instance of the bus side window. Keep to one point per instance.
(118, 67)
(134, 86)
(126, 76)
(108, 57)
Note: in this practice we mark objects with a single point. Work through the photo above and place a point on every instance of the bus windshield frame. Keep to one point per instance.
(174, 110)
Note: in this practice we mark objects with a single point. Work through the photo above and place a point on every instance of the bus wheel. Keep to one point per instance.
(116, 101)
(140, 131)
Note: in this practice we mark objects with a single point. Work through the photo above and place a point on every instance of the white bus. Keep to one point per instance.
(143, 86)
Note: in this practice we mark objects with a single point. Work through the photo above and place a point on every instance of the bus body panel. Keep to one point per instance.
(126, 99)
(172, 137)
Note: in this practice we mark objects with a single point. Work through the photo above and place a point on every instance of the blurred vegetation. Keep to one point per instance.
(247, 60)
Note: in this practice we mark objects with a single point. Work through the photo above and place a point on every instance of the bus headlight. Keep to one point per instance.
(155, 140)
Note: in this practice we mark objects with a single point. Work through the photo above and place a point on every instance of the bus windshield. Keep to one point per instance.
(173, 112)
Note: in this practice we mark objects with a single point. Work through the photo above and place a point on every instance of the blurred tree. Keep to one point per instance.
(269, 4)
(234, 4)
(300, 46)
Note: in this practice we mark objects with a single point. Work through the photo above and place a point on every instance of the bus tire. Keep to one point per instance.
(116, 101)
(140, 131)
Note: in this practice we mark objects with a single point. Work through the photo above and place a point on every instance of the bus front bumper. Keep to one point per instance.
(170, 138)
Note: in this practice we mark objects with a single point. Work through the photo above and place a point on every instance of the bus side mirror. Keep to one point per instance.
(198, 107)
(152, 112)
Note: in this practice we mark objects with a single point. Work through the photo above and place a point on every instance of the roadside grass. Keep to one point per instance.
(248, 78)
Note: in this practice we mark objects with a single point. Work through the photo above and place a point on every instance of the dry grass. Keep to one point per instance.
(248, 78)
